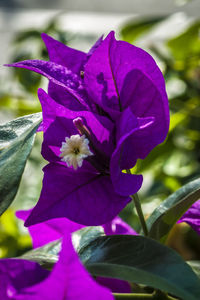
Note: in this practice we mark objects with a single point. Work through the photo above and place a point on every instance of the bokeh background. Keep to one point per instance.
(169, 31)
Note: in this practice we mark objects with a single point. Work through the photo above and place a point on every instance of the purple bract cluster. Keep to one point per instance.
(104, 110)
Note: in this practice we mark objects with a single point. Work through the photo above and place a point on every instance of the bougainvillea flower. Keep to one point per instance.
(86, 195)
(114, 101)
(192, 216)
(118, 226)
(48, 231)
(54, 229)
(25, 280)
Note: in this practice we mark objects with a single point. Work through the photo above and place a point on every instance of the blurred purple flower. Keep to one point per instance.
(118, 226)
(48, 231)
(54, 229)
(192, 216)
(22, 280)
(103, 111)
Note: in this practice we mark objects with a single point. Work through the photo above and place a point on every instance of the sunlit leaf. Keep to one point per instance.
(47, 255)
(16, 141)
(195, 265)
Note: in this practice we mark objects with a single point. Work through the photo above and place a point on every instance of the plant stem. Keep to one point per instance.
(138, 207)
(132, 296)
(157, 295)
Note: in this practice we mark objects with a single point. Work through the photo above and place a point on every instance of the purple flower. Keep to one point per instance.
(54, 229)
(118, 226)
(48, 231)
(103, 111)
(192, 217)
(22, 280)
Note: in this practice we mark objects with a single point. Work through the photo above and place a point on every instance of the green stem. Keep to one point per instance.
(138, 207)
(132, 296)
(157, 295)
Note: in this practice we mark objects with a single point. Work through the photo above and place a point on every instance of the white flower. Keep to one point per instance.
(74, 150)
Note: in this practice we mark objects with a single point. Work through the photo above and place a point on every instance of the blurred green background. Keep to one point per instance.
(167, 168)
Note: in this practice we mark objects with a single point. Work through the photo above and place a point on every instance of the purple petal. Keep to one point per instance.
(58, 75)
(136, 137)
(99, 79)
(71, 59)
(48, 231)
(118, 226)
(68, 280)
(145, 100)
(127, 152)
(17, 274)
(95, 46)
(61, 96)
(192, 217)
(22, 280)
(64, 55)
(78, 196)
(117, 71)
(58, 123)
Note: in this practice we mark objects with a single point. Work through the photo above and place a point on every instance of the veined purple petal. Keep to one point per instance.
(125, 155)
(113, 73)
(63, 97)
(57, 74)
(58, 123)
(71, 59)
(78, 196)
(48, 231)
(145, 100)
(64, 55)
(99, 80)
(135, 137)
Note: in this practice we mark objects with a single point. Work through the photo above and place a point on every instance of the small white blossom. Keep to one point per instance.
(74, 150)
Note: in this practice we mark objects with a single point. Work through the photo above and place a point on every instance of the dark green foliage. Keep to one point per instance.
(16, 141)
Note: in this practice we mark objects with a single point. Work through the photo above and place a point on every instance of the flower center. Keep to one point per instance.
(74, 150)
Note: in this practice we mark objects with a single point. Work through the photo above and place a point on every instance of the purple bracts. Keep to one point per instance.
(117, 93)
(192, 216)
(25, 280)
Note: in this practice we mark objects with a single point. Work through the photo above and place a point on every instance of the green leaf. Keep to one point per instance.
(86, 235)
(16, 141)
(134, 29)
(47, 255)
(141, 260)
(170, 211)
(195, 265)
